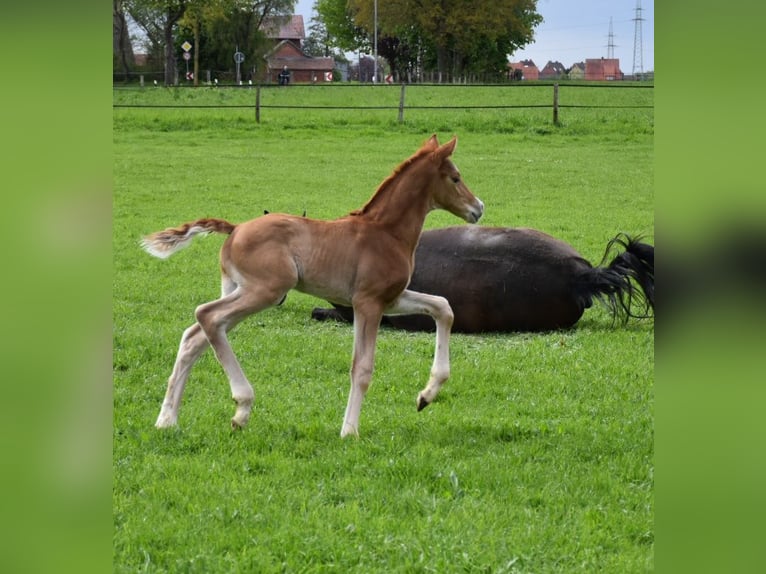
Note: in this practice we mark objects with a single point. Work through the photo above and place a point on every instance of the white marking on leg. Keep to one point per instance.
(216, 319)
(193, 344)
(412, 302)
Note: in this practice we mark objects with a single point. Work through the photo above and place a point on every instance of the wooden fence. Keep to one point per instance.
(553, 103)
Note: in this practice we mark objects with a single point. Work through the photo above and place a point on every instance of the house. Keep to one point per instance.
(303, 68)
(600, 69)
(526, 68)
(279, 28)
(553, 71)
(577, 71)
(288, 34)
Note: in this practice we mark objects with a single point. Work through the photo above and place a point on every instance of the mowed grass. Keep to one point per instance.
(535, 457)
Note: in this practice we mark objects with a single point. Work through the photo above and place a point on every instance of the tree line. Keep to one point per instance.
(450, 37)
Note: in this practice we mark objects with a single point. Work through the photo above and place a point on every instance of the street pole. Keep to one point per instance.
(375, 41)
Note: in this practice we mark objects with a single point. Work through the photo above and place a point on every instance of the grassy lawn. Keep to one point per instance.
(537, 456)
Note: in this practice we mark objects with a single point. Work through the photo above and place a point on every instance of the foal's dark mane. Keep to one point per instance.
(425, 150)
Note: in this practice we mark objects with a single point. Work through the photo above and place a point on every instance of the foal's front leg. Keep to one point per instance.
(412, 302)
(366, 323)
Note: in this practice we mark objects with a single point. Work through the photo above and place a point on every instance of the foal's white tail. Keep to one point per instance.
(164, 243)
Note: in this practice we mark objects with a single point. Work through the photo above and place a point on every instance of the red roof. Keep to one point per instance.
(284, 27)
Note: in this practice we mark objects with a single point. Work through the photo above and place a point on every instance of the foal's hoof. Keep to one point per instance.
(349, 430)
(165, 421)
(238, 423)
(242, 413)
(422, 403)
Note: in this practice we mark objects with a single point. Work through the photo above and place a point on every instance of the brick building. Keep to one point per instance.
(288, 34)
(603, 69)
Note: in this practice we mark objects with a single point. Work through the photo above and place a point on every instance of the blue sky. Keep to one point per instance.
(573, 31)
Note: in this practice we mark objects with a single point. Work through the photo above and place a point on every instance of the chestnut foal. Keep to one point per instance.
(363, 260)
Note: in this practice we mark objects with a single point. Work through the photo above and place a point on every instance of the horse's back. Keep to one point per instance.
(511, 245)
(498, 279)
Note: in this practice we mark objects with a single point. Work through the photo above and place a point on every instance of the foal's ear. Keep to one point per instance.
(447, 149)
(431, 143)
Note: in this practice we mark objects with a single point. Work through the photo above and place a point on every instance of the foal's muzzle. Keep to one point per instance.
(475, 212)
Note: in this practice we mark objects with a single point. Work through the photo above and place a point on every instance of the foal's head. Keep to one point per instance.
(450, 193)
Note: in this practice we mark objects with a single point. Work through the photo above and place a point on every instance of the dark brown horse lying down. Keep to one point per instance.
(520, 279)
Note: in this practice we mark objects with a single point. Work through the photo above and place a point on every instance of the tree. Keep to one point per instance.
(197, 13)
(122, 50)
(459, 36)
(225, 24)
(404, 51)
(235, 24)
(174, 11)
(158, 19)
(318, 43)
(342, 31)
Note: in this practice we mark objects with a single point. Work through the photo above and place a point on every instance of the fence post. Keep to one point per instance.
(555, 104)
(401, 104)
(141, 80)
(258, 103)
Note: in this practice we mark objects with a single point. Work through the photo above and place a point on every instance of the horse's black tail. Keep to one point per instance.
(626, 284)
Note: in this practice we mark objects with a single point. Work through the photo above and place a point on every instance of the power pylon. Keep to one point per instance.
(610, 45)
(638, 48)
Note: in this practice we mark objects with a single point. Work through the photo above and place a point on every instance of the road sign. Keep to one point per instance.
(186, 46)
(187, 56)
(239, 57)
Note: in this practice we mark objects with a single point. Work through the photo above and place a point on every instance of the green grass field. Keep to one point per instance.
(537, 456)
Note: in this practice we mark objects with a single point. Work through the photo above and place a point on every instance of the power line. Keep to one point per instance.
(610, 46)
(638, 48)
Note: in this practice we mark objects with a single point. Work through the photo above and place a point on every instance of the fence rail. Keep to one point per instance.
(554, 104)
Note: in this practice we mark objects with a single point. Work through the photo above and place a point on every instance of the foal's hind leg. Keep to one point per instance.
(412, 302)
(193, 344)
(216, 319)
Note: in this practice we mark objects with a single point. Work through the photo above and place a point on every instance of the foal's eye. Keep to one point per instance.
(455, 179)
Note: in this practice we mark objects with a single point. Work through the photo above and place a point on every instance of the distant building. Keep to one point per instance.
(577, 71)
(527, 69)
(279, 28)
(553, 71)
(600, 69)
(288, 34)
